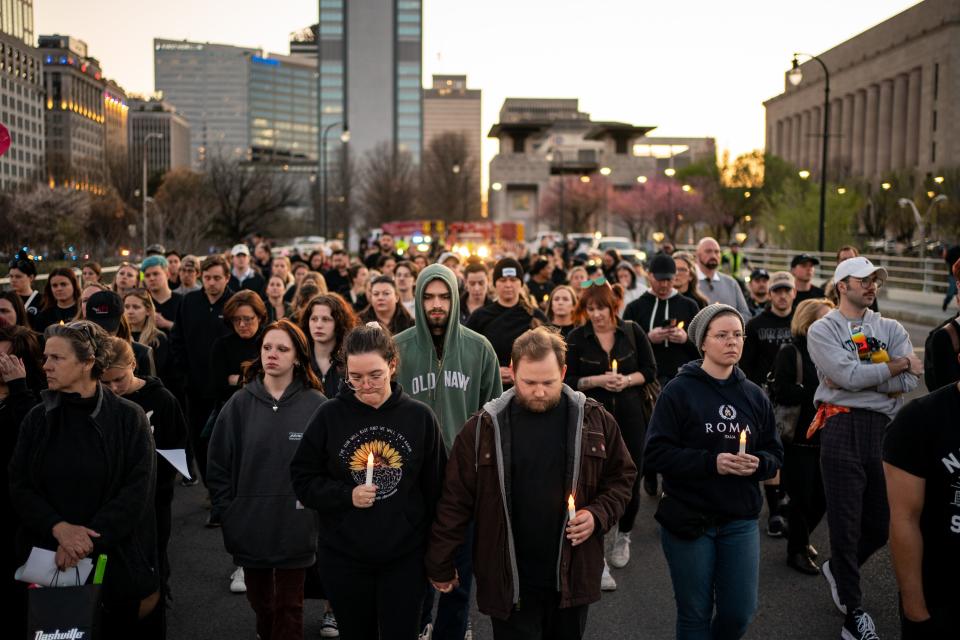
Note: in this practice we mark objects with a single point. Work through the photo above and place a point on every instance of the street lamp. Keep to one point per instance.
(804, 174)
(938, 179)
(496, 186)
(657, 236)
(146, 140)
(795, 76)
(344, 138)
(907, 202)
(670, 172)
(605, 171)
(642, 179)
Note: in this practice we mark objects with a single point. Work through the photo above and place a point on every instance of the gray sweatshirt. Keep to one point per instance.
(248, 473)
(725, 290)
(863, 384)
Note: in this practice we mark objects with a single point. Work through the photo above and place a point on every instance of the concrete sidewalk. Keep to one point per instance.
(919, 308)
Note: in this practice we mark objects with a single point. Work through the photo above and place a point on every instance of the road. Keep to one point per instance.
(792, 605)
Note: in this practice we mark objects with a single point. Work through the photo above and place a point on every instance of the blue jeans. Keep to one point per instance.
(720, 569)
(453, 610)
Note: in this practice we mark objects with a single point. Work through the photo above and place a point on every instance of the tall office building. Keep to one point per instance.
(283, 110)
(209, 85)
(75, 116)
(115, 113)
(370, 62)
(172, 150)
(21, 96)
(450, 107)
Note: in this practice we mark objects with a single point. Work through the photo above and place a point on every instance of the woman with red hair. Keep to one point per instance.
(610, 360)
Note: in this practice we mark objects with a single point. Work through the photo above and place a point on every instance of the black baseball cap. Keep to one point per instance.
(759, 273)
(105, 308)
(662, 267)
(804, 257)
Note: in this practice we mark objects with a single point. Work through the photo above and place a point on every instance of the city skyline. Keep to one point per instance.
(657, 67)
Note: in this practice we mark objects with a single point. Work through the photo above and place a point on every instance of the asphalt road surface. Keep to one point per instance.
(792, 605)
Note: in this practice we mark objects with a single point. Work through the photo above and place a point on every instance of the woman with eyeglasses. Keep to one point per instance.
(83, 469)
(713, 438)
(269, 534)
(373, 534)
(611, 361)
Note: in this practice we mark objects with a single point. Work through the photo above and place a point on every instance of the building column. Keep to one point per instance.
(859, 122)
(814, 139)
(885, 127)
(805, 139)
(870, 134)
(846, 130)
(913, 119)
(834, 159)
(787, 153)
(778, 139)
(797, 149)
(899, 126)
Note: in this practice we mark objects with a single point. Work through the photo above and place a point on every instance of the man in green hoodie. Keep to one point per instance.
(455, 371)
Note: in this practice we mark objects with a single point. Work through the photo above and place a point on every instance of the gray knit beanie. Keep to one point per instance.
(698, 326)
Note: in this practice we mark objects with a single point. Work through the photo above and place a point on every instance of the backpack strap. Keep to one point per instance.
(799, 378)
(951, 328)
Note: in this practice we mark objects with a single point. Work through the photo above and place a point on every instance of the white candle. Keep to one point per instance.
(370, 469)
(571, 508)
(613, 365)
(743, 442)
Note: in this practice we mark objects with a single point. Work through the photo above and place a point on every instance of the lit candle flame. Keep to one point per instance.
(613, 365)
(743, 442)
(369, 469)
(680, 325)
(571, 507)
(546, 297)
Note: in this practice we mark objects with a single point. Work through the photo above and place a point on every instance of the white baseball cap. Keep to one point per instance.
(240, 250)
(858, 267)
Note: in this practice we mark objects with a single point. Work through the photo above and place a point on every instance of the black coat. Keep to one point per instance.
(125, 518)
(198, 325)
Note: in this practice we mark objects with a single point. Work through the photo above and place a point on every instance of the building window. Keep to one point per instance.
(934, 119)
(518, 145)
(936, 79)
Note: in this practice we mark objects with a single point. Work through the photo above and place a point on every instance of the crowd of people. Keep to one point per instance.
(393, 434)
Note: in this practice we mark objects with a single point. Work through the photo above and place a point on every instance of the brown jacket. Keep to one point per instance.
(477, 487)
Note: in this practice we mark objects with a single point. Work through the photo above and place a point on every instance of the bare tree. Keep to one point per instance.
(576, 201)
(448, 189)
(108, 223)
(247, 198)
(388, 185)
(184, 210)
(48, 219)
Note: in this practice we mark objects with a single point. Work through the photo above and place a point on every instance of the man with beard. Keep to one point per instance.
(716, 286)
(338, 277)
(758, 289)
(542, 444)
(387, 248)
(455, 371)
(865, 364)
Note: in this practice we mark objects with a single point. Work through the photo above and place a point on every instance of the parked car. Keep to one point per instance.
(619, 243)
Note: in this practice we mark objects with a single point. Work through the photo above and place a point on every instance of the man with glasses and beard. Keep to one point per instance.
(559, 457)
(865, 364)
(455, 372)
(716, 286)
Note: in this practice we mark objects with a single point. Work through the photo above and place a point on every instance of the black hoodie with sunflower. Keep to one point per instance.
(409, 458)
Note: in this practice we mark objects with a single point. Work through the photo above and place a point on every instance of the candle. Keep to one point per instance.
(743, 442)
(571, 508)
(546, 297)
(680, 325)
(370, 469)
(613, 365)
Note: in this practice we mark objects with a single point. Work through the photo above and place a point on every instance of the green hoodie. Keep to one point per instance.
(466, 378)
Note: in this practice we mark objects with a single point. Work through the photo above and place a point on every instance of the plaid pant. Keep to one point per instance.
(853, 483)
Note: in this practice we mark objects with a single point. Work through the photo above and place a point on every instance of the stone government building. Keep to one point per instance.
(894, 100)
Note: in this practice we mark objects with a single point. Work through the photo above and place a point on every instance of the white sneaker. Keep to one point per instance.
(427, 632)
(620, 554)
(607, 583)
(328, 626)
(237, 584)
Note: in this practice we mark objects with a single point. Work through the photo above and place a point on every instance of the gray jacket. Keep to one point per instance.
(724, 290)
(248, 474)
(863, 384)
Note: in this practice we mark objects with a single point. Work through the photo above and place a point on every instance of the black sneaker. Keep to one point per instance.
(859, 626)
(776, 527)
(213, 521)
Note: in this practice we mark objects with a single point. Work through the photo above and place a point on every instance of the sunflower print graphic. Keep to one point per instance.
(390, 451)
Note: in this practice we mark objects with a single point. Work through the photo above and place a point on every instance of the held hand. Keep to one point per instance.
(677, 336)
(364, 496)
(608, 381)
(447, 587)
(734, 464)
(65, 560)
(506, 375)
(580, 528)
(233, 380)
(11, 368)
(658, 334)
(74, 539)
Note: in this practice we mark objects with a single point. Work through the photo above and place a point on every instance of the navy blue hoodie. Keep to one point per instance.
(698, 417)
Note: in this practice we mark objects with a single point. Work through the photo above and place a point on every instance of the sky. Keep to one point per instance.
(694, 68)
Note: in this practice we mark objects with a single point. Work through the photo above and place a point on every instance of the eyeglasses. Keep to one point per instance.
(865, 283)
(586, 284)
(723, 336)
(375, 379)
(243, 319)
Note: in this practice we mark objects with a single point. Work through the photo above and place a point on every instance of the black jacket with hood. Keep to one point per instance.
(698, 417)
(125, 517)
(405, 439)
(199, 323)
